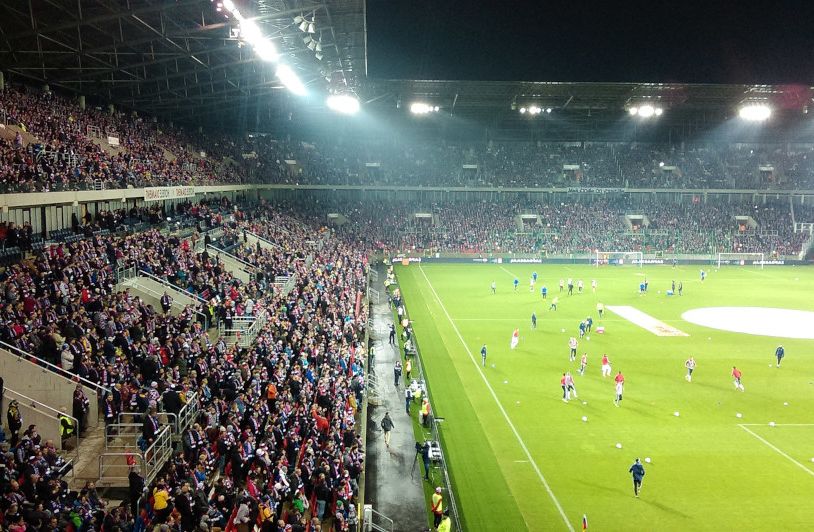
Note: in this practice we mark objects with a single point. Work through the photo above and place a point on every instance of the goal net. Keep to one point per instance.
(741, 259)
(618, 258)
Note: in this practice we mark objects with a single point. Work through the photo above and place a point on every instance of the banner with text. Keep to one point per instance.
(168, 193)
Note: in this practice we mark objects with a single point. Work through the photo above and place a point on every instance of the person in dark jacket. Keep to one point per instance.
(637, 470)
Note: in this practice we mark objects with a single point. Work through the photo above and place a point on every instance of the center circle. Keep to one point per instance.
(759, 321)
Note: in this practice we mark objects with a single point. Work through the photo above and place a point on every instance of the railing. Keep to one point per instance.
(134, 283)
(123, 435)
(264, 240)
(125, 274)
(374, 520)
(171, 286)
(115, 467)
(53, 432)
(245, 265)
(245, 328)
(188, 413)
(100, 390)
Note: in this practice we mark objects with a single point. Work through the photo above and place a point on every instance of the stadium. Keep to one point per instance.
(262, 269)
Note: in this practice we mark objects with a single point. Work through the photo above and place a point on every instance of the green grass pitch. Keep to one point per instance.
(521, 459)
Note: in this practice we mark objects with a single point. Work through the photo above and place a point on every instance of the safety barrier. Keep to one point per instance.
(114, 467)
(46, 419)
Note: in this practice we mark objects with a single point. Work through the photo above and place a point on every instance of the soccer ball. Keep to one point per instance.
(588, 338)
(505, 382)
(493, 365)
(676, 414)
(584, 418)
(647, 460)
(738, 415)
(518, 402)
(770, 365)
(562, 330)
(771, 423)
(618, 445)
(785, 404)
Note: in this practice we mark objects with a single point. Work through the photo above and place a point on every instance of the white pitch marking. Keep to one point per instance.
(510, 273)
(500, 406)
(777, 450)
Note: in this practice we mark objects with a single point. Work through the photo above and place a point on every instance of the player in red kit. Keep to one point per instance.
(736, 374)
(606, 367)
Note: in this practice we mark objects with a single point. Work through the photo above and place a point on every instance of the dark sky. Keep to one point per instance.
(553, 40)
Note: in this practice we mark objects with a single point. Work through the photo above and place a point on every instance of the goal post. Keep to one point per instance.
(741, 259)
(618, 258)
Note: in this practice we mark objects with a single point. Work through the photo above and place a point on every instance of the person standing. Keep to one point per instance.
(392, 334)
(397, 373)
(483, 355)
(583, 363)
(533, 320)
(690, 365)
(446, 524)
(562, 284)
(387, 426)
(680, 287)
(637, 470)
(606, 367)
(569, 384)
(565, 394)
(515, 338)
(544, 291)
(736, 374)
(408, 369)
(437, 507)
(425, 459)
(600, 309)
(494, 287)
(570, 286)
(572, 347)
(166, 302)
(553, 305)
(593, 285)
(81, 407)
(516, 283)
(779, 353)
(408, 399)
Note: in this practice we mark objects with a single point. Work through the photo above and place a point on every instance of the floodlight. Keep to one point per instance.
(548, 110)
(303, 26)
(633, 111)
(319, 46)
(535, 110)
(646, 111)
(290, 80)
(755, 112)
(436, 109)
(522, 110)
(659, 111)
(343, 103)
(319, 56)
(298, 19)
(228, 4)
(312, 45)
(312, 27)
(421, 108)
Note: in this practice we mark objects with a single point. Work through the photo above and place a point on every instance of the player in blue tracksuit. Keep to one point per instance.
(534, 276)
(483, 355)
(544, 292)
(637, 470)
(779, 353)
(533, 320)
(516, 283)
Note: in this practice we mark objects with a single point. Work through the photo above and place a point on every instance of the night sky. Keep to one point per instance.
(553, 40)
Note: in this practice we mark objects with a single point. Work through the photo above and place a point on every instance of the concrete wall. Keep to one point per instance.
(236, 268)
(47, 422)
(44, 385)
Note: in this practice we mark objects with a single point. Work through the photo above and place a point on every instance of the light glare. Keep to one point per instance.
(755, 112)
(290, 80)
(343, 103)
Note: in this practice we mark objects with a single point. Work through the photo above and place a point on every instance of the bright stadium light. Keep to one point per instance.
(290, 80)
(646, 111)
(343, 103)
(755, 112)
(633, 111)
(523, 110)
(421, 108)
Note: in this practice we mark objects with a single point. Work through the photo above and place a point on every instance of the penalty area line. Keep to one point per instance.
(499, 405)
(778, 450)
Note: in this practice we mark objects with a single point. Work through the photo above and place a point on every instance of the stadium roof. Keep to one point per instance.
(178, 59)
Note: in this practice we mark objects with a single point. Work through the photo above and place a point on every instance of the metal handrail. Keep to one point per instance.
(144, 288)
(188, 412)
(19, 353)
(53, 411)
(263, 239)
(152, 459)
(171, 286)
(247, 265)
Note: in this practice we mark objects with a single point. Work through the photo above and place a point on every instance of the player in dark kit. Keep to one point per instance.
(779, 353)
(637, 470)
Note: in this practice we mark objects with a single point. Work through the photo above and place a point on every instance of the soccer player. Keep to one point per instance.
(600, 308)
(779, 353)
(580, 286)
(736, 374)
(483, 355)
(637, 470)
(533, 320)
(593, 285)
(562, 284)
(582, 327)
(569, 384)
(583, 363)
(531, 285)
(589, 323)
(554, 303)
(572, 345)
(565, 394)
(515, 338)
(516, 283)
(641, 288)
(534, 276)
(494, 287)
(703, 275)
(606, 367)
(570, 286)
(690, 365)
(680, 287)
(673, 287)
(620, 385)
(544, 291)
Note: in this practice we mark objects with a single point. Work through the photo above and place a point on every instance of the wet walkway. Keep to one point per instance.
(394, 477)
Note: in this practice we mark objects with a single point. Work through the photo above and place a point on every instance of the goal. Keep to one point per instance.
(741, 259)
(619, 258)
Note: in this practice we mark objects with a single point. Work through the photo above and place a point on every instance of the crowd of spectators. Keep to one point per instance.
(275, 442)
(50, 143)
